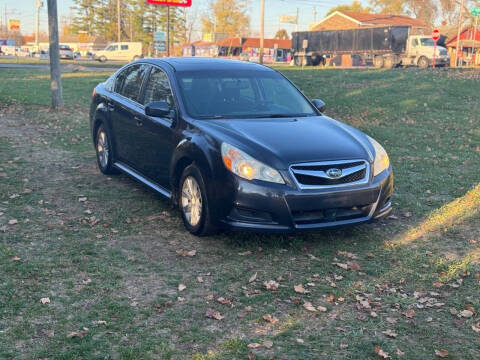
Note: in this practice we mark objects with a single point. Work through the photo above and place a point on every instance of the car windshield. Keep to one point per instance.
(427, 42)
(237, 94)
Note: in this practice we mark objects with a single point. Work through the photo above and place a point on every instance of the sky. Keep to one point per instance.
(25, 11)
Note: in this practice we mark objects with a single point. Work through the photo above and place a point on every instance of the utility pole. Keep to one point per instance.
(168, 31)
(119, 35)
(262, 29)
(460, 21)
(298, 13)
(39, 5)
(55, 71)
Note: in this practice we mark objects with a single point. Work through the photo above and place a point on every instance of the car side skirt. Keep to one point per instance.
(129, 171)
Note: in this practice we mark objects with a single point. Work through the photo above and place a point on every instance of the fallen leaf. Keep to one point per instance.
(252, 278)
(381, 353)
(365, 304)
(224, 301)
(45, 300)
(16, 258)
(352, 265)
(441, 353)
(437, 284)
(253, 345)
(213, 314)
(186, 253)
(476, 327)
(337, 277)
(79, 334)
(390, 333)
(343, 346)
(400, 352)
(466, 314)
(308, 306)
(347, 254)
(453, 311)
(342, 266)
(331, 298)
(82, 199)
(300, 289)
(269, 318)
(373, 314)
(245, 253)
(181, 287)
(199, 279)
(410, 313)
(271, 285)
(86, 281)
(13, 222)
(469, 308)
(391, 320)
(300, 341)
(322, 308)
(267, 344)
(100, 322)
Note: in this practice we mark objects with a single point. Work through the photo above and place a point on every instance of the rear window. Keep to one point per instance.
(124, 47)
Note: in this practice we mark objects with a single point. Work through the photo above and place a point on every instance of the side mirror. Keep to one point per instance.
(320, 105)
(157, 109)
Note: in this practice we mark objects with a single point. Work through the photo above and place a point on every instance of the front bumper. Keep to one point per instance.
(264, 207)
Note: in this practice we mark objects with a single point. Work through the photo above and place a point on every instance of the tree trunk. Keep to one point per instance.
(55, 72)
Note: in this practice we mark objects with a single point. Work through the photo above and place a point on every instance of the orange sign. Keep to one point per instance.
(13, 24)
(185, 3)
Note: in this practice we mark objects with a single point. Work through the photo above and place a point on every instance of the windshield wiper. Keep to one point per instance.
(272, 116)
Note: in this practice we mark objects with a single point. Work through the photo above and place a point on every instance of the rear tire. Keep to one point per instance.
(102, 59)
(378, 61)
(388, 62)
(194, 203)
(104, 151)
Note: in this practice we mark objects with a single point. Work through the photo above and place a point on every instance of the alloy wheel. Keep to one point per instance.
(102, 149)
(191, 201)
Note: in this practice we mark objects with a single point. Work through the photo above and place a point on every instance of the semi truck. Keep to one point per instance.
(383, 47)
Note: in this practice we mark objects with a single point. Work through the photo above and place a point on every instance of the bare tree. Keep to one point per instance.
(55, 71)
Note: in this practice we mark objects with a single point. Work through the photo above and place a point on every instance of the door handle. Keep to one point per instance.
(138, 121)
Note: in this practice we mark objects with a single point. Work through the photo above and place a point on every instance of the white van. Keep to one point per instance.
(126, 51)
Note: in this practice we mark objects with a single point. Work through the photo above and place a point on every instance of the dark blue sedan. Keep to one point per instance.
(236, 145)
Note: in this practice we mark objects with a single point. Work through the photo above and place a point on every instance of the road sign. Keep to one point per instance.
(288, 19)
(436, 35)
(184, 3)
(13, 24)
(160, 36)
(476, 11)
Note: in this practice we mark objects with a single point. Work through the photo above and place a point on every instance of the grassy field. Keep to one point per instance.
(35, 61)
(95, 267)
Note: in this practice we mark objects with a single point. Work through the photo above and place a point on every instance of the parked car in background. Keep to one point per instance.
(66, 52)
(124, 51)
(236, 145)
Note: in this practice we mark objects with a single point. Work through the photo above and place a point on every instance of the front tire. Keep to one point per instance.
(423, 62)
(194, 203)
(104, 151)
(378, 61)
(102, 59)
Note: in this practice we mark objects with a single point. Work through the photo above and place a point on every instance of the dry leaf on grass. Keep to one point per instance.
(476, 327)
(13, 222)
(100, 322)
(352, 265)
(390, 333)
(441, 353)
(224, 301)
(253, 345)
(245, 253)
(267, 344)
(308, 306)
(400, 352)
(466, 314)
(271, 285)
(347, 254)
(214, 314)
(322, 308)
(199, 279)
(181, 287)
(342, 266)
(16, 258)
(381, 353)
(269, 318)
(79, 334)
(410, 313)
(252, 278)
(300, 289)
(391, 320)
(45, 300)
(437, 284)
(186, 253)
(86, 281)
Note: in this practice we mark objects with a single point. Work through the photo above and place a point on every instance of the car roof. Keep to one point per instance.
(197, 63)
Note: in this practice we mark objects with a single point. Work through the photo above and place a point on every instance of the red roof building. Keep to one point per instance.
(346, 20)
(469, 45)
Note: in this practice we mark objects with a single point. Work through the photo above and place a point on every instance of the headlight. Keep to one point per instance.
(382, 161)
(247, 167)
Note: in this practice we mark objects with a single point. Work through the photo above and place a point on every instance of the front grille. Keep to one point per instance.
(330, 215)
(316, 175)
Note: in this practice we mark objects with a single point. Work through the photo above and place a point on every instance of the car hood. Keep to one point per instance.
(286, 141)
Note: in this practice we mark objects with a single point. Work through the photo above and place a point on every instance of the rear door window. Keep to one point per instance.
(124, 47)
(129, 81)
(158, 88)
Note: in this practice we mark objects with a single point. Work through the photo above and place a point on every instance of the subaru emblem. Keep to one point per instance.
(334, 173)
